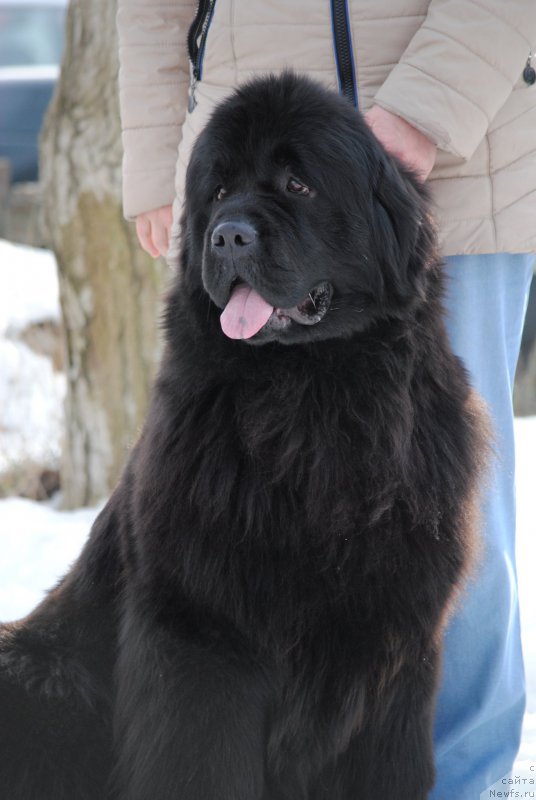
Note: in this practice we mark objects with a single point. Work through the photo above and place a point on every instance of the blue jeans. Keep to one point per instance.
(482, 695)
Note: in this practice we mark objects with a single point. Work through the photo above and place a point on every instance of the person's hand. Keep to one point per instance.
(153, 229)
(402, 140)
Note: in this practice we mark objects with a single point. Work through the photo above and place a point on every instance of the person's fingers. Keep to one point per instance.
(153, 229)
(167, 220)
(402, 140)
(160, 236)
(143, 229)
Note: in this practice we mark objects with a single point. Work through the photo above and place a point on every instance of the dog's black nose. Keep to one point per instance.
(233, 237)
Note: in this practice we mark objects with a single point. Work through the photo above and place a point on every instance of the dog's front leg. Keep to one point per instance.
(191, 711)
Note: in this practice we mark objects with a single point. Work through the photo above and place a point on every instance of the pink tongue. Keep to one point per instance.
(245, 313)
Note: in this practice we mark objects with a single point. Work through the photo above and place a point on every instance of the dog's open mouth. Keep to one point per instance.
(246, 312)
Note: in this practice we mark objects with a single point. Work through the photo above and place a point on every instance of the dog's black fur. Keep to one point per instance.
(257, 614)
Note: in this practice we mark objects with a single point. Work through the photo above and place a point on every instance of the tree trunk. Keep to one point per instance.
(109, 289)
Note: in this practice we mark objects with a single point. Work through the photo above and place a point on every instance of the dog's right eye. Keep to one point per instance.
(220, 193)
(297, 187)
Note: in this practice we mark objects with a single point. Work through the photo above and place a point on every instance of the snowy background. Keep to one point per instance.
(38, 542)
(31, 392)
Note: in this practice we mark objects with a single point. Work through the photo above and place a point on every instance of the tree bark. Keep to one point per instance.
(109, 289)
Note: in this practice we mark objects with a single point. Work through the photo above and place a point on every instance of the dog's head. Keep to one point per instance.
(297, 224)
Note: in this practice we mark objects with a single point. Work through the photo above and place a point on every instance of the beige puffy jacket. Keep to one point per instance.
(452, 68)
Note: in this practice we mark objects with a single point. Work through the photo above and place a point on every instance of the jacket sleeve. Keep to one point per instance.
(153, 91)
(459, 69)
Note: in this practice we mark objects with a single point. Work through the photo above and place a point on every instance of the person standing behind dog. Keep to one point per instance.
(449, 87)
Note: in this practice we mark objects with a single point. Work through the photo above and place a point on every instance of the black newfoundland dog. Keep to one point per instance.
(258, 612)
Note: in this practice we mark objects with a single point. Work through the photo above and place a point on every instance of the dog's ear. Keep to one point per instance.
(402, 235)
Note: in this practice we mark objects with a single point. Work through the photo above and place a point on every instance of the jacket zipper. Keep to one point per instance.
(198, 31)
(342, 40)
(197, 35)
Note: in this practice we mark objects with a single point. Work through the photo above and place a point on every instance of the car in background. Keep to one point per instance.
(31, 47)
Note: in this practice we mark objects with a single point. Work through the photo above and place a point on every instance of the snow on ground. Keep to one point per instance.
(31, 392)
(29, 284)
(37, 545)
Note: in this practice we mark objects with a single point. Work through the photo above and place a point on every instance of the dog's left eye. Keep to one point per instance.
(296, 187)
(220, 193)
